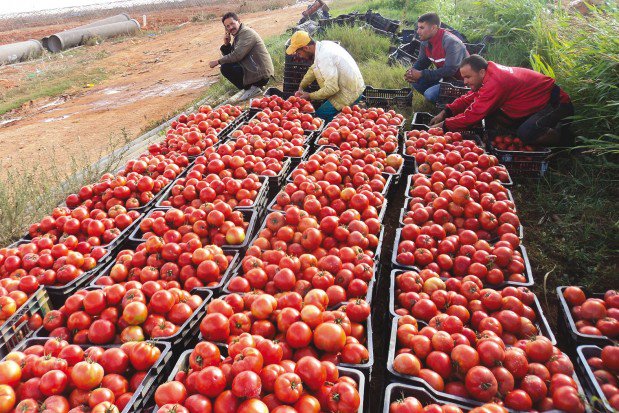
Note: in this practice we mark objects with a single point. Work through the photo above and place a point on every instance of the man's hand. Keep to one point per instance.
(213, 63)
(412, 75)
(227, 38)
(302, 94)
(438, 125)
(438, 119)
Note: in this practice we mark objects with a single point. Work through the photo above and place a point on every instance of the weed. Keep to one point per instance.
(50, 83)
(26, 196)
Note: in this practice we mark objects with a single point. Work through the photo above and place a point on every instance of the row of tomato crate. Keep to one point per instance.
(523, 163)
(175, 348)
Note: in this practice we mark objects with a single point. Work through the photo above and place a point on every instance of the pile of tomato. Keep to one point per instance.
(594, 316)
(61, 377)
(199, 187)
(292, 307)
(257, 378)
(191, 134)
(357, 127)
(510, 143)
(124, 312)
(434, 151)
(605, 369)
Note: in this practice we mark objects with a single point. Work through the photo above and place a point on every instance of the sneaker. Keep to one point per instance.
(250, 93)
(235, 98)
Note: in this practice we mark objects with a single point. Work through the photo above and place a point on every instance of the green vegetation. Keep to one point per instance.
(570, 216)
(49, 84)
(26, 196)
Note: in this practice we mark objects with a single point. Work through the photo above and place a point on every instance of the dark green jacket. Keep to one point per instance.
(250, 52)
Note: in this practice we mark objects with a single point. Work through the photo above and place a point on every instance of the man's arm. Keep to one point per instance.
(486, 101)
(422, 60)
(331, 85)
(460, 104)
(242, 47)
(226, 49)
(454, 53)
(309, 77)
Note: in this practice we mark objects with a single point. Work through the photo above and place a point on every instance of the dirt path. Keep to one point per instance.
(151, 77)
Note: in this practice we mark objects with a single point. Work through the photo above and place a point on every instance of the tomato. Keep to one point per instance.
(100, 395)
(226, 402)
(211, 381)
(173, 408)
(406, 405)
(567, 398)
(170, 392)
(481, 383)
(143, 355)
(343, 398)
(406, 363)
(87, 375)
(7, 398)
(10, 372)
(105, 407)
(204, 354)
(329, 337)
(288, 388)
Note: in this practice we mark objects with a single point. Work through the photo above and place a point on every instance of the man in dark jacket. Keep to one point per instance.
(511, 98)
(246, 62)
(439, 48)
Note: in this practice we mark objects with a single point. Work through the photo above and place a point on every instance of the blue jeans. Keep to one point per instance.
(327, 111)
(429, 89)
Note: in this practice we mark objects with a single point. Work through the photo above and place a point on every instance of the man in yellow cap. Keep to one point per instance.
(336, 72)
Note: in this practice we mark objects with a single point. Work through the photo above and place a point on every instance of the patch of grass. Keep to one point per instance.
(250, 6)
(572, 223)
(363, 44)
(49, 84)
(379, 75)
(202, 17)
(28, 195)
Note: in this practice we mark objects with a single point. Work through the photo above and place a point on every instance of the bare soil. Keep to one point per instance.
(149, 77)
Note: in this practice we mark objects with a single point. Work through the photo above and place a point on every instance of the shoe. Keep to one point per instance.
(235, 98)
(250, 93)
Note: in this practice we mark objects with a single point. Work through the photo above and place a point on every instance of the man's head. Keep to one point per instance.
(473, 70)
(427, 26)
(302, 45)
(231, 23)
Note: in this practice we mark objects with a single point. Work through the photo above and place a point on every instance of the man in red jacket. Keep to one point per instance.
(439, 48)
(508, 97)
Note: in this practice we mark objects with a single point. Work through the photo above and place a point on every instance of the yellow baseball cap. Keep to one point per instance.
(299, 39)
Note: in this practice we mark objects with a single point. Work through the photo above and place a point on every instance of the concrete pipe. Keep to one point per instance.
(123, 17)
(73, 38)
(18, 52)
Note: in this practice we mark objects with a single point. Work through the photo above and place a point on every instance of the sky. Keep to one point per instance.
(8, 7)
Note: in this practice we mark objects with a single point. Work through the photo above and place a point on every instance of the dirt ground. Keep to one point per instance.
(150, 77)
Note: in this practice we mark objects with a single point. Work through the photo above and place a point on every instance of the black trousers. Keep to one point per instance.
(234, 73)
(531, 128)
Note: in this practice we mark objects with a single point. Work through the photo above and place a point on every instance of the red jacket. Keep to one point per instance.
(516, 91)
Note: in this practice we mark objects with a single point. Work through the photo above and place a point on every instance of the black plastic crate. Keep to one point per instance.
(566, 322)
(379, 22)
(224, 278)
(475, 48)
(183, 365)
(528, 273)
(155, 376)
(408, 35)
(251, 217)
(421, 120)
(59, 293)
(450, 91)
(527, 164)
(388, 98)
(397, 391)
(16, 328)
(592, 388)
(422, 383)
(187, 332)
(541, 322)
(401, 57)
(258, 204)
